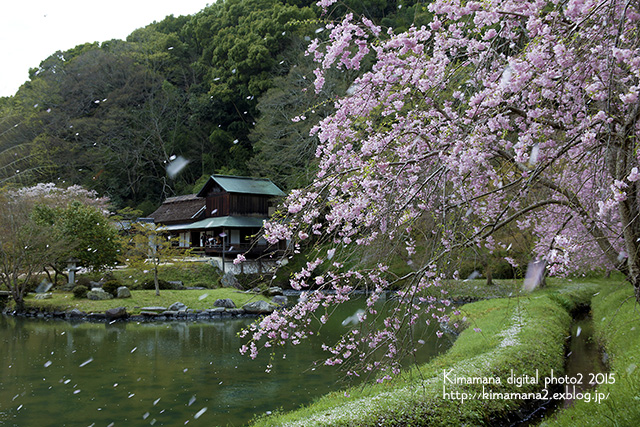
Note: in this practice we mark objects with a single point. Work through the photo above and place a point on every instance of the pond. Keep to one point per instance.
(56, 372)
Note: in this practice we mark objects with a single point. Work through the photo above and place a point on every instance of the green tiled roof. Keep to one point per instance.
(227, 222)
(242, 184)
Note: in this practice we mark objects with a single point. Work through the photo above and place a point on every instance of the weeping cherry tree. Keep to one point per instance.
(503, 113)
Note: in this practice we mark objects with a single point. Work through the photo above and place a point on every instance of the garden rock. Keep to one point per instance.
(156, 309)
(230, 281)
(124, 292)
(177, 306)
(96, 295)
(149, 313)
(225, 302)
(258, 307)
(43, 296)
(116, 313)
(280, 300)
(75, 313)
(274, 290)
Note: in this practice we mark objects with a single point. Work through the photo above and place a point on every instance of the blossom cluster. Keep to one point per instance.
(60, 196)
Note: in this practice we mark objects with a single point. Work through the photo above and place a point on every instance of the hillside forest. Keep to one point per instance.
(217, 90)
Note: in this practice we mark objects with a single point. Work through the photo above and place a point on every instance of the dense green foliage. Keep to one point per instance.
(218, 88)
(80, 292)
(111, 286)
(92, 239)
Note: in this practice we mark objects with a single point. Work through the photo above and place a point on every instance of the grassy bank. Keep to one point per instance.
(523, 337)
(194, 299)
(616, 318)
(201, 274)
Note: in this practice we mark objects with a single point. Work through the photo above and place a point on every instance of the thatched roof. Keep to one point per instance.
(179, 209)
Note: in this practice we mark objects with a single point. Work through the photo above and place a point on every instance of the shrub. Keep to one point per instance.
(83, 281)
(111, 286)
(80, 291)
(163, 284)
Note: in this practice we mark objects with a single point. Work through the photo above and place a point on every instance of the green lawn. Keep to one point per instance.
(194, 299)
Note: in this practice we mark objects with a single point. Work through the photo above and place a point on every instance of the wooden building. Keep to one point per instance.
(224, 218)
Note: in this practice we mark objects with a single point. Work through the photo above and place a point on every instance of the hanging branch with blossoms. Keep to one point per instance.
(503, 113)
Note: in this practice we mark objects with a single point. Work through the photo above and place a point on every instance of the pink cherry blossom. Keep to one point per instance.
(496, 114)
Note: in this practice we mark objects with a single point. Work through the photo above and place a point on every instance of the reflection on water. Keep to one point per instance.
(58, 373)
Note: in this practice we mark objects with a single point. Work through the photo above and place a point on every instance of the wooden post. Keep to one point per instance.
(223, 235)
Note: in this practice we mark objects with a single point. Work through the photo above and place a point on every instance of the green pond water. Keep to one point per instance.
(56, 373)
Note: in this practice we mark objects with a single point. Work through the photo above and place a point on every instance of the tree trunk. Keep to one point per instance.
(46, 271)
(635, 282)
(18, 296)
(489, 277)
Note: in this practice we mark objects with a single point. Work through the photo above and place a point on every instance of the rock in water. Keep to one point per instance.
(75, 313)
(116, 313)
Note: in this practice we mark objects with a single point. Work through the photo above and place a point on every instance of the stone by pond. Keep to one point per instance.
(178, 311)
(224, 302)
(258, 307)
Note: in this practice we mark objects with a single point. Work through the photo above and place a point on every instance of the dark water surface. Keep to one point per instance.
(55, 373)
(583, 361)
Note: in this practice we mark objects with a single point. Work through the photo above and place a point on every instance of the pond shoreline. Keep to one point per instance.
(154, 314)
(75, 315)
